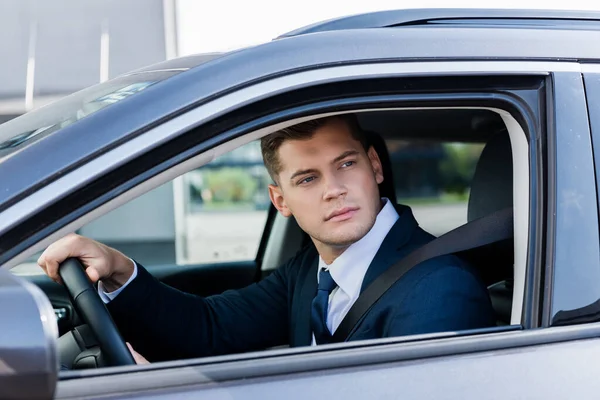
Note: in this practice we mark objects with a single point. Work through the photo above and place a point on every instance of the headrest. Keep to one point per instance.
(387, 187)
(492, 186)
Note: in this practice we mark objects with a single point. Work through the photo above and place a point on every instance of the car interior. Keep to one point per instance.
(492, 188)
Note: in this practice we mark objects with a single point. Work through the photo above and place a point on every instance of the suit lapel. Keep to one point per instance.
(303, 331)
(390, 250)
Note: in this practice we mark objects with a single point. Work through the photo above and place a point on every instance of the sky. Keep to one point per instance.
(207, 26)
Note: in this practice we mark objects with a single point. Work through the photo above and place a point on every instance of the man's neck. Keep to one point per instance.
(329, 253)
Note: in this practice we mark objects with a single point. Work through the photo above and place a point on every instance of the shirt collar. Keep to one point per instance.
(349, 269)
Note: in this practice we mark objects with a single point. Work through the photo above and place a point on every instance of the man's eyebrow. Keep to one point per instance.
(312, 170)
(303, 172)
(344, 155)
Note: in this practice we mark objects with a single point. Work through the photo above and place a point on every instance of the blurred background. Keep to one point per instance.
(51, 48)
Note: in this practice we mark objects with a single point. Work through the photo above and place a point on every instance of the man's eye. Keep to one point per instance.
(306, 180)
(348, 164)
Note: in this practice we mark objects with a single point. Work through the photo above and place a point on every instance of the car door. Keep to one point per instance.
(465, 364)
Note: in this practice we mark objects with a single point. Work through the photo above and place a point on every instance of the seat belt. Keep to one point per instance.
(480, 232)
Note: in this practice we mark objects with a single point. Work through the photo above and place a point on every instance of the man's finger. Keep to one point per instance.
(52, 271)
(93, 274)
(42, 262)
(55, 254)
(58, 252)
(139, 359)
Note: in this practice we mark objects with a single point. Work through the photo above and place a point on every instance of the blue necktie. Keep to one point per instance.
(318, 315)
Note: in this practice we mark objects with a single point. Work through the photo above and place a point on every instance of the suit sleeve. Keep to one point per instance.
(164, 323)
(450, 298)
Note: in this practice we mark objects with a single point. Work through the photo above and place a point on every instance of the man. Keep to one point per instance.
(326, 176)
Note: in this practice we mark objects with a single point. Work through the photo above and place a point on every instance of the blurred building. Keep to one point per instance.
(51, 48)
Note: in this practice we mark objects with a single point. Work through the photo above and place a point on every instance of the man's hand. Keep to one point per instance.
(139, 359)
(101, 262)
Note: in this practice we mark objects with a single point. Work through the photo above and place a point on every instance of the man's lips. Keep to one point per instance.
(342, 214)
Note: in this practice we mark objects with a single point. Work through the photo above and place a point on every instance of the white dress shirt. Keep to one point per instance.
(108, 296)
(348, 270)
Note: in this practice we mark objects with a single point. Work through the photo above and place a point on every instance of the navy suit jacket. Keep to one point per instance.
(441, 294)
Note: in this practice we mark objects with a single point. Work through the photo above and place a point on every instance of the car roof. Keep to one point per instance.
(179, 63)
(204, 80)
(455, 16)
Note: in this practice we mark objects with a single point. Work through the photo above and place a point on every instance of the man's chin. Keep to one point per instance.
(345, 238)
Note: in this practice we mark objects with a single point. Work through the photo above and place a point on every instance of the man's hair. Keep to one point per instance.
(271, 143)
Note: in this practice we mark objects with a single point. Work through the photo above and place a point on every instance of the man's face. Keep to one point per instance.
(329, 184)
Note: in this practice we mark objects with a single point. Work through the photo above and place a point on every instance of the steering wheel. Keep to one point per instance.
(92, 310)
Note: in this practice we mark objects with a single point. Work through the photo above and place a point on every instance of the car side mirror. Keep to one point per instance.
(28, 352)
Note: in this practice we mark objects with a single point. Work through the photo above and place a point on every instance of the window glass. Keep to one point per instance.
(434, 179)
(216, 213)
(34, 125)
(224, 208)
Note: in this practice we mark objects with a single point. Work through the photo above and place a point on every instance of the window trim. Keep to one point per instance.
(523, 311)
(248, 132)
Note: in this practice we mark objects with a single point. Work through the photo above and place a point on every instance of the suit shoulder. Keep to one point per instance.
(447, 271)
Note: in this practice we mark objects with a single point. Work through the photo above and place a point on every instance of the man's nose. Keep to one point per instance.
(334, 188)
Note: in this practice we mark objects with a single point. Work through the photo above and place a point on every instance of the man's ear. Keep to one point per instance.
(276, 195)
(375, 164)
